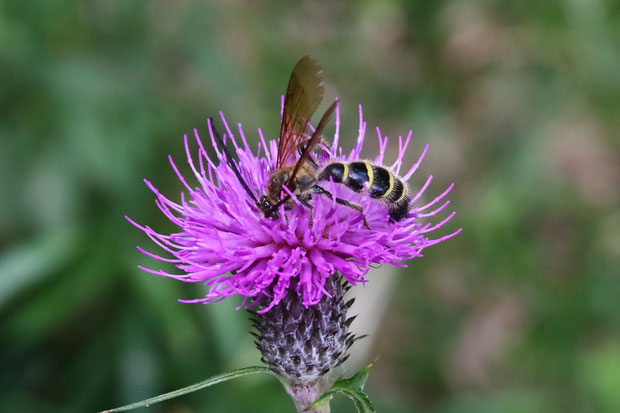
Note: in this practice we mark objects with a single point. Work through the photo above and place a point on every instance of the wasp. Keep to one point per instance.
(304, 93)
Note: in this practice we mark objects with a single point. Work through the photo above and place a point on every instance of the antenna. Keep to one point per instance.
(229, 160)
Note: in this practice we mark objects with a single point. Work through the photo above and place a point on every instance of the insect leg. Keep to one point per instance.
(322, 191)
(305, 203)
(301, 201)
(286, 198)
(301, 148)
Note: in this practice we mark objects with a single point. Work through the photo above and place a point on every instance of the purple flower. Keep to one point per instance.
(225, 242)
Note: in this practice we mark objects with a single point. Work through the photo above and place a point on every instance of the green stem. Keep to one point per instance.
(194, 387)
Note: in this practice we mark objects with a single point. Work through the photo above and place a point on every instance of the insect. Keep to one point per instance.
(304, 93)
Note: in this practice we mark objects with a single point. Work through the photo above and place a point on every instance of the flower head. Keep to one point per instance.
(226, 243)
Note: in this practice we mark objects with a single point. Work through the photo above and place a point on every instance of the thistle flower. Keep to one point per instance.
(294, 268)
(302, 344)
(224, 241)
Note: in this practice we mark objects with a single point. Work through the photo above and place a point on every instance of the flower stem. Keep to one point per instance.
(304, 394)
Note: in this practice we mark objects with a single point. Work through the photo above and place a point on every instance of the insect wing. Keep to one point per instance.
(314, 140)
(303, 95)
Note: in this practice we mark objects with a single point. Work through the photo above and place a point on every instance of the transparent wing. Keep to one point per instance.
(303, 95)
(314, 140)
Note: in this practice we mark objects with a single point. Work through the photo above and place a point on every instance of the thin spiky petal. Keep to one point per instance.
(224, 242)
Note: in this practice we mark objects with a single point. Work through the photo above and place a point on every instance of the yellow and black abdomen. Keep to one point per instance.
(380, 182)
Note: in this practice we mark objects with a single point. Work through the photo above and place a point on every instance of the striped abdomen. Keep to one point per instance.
(380, 182)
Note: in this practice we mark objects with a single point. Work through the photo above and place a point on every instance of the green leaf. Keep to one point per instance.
(220, 378)
(357, 381)
(353, 388)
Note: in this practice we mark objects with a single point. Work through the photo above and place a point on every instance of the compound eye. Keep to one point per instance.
(266, 207)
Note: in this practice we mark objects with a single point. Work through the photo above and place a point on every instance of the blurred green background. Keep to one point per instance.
(520, 102)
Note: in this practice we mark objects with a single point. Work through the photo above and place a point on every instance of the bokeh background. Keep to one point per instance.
(520, 102)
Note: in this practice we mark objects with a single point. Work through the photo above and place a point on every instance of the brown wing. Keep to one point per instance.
(304, 93)
(314, 140)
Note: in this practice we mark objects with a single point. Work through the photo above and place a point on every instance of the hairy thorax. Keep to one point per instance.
(304, 180)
